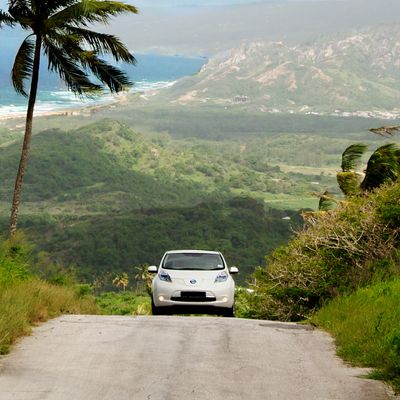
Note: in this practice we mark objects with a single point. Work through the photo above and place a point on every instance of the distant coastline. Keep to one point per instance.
(152, 72)
(88, 106)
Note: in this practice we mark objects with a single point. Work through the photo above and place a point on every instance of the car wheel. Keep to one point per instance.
(154, 309)
(229, 312)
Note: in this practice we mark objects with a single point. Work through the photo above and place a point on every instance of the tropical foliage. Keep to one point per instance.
(383, 166)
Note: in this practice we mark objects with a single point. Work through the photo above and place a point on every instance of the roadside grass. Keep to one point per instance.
(124, 303)
(29, 302)
(366, 327)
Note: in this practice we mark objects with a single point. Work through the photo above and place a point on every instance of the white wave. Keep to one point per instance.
(63, 100)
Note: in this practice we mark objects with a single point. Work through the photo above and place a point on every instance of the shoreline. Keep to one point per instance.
(75, 110)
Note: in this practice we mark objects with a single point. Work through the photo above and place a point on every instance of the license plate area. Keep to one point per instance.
(193, 295)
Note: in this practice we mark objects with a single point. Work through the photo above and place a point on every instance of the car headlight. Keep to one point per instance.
(164, 276)
(221, 277)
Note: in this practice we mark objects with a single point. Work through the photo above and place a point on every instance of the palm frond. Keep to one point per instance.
(351, 157)
(103, 43)
(87, 12)
(6, 19)
(21, 13)
(50, 6)
(23, 63)
(383, 166)
(386, 131)
(114, 78)
(69, 71)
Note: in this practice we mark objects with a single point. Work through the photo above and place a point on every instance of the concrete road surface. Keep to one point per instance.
(178, 358)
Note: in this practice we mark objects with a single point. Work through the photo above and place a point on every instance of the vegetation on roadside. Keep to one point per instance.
(366, 326)
(25, 299)
(342, 270)
(124, 303)
(335, 253)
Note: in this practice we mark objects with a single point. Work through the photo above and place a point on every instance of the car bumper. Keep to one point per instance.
(220, 295)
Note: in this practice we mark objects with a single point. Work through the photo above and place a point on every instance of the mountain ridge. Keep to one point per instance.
(348, 75)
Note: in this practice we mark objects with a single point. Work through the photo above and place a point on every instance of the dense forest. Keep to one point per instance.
(102, 245)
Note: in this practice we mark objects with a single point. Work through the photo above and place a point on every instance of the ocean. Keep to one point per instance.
(151, 72)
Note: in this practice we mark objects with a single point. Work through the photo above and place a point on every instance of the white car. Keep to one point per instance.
(193, 281)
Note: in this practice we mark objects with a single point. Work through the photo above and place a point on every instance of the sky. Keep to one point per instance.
(183, 3)
(209, 27)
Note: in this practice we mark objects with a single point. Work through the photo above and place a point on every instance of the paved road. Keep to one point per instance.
(178, 358)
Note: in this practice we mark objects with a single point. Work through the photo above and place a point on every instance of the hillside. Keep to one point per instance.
(347, 75)
(106, 198)
(91, 166)
(99, 246)
(107, 166)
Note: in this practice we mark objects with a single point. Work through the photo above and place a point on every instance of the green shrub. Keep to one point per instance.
(124, 303)
(14, 260)
(388, 209)
(336, 252)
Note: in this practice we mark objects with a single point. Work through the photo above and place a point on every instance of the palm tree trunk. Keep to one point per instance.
(27, 138)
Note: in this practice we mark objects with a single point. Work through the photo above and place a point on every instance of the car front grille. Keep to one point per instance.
(199, 297)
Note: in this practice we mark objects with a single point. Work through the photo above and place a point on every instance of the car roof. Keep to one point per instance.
(192, 251)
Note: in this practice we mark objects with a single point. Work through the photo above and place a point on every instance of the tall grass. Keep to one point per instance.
(26, 300)
(366, 326)
(26, 303)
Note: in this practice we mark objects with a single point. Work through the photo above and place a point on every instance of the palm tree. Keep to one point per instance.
(121, 281)
(59, 29)
(348, 179)
(382, 166)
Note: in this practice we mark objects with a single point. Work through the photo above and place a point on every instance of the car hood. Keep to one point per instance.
(193, 277)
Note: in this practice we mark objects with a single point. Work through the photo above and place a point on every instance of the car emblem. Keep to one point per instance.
(193, 281)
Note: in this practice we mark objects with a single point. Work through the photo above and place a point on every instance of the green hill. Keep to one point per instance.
(106, 198)
(91, 169)
(106, 166)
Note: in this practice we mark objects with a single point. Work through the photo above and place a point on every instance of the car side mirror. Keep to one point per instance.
(152, 269)
(234, 270)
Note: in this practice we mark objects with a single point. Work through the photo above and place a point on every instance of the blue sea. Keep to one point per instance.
(151, 72)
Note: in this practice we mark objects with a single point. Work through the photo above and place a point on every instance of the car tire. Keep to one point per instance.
(229, 312)
(154, 309)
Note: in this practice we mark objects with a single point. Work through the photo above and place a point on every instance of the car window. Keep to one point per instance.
(193, 261)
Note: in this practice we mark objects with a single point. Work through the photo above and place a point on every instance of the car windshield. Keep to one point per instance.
(193, 261)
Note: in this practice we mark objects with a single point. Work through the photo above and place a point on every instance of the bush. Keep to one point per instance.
(14, 260)
(336, 252)
(124, 303)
